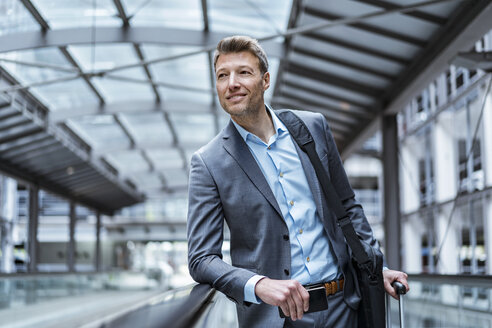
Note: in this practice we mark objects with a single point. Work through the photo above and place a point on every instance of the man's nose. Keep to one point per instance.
(233, 81)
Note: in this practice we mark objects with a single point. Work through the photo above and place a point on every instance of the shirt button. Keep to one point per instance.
(308, 259)
(281, 174)
(300, 231)
(291, 203)
(269, 147)
(286, 237)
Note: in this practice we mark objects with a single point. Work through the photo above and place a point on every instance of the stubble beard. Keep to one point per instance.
(246, 111)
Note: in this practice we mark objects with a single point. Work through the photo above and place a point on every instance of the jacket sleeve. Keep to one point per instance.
(205, 235)
(339, 179)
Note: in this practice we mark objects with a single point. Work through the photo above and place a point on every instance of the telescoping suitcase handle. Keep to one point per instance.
(399, 290)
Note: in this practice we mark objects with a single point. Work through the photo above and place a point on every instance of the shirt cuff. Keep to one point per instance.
(385, 268)
(249, 289)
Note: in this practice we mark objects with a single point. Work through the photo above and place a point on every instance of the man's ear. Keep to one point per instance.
(266, 81)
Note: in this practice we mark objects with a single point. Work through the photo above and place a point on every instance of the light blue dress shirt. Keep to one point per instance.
(312, 260)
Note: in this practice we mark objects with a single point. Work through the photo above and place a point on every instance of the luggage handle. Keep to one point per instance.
(399, 288)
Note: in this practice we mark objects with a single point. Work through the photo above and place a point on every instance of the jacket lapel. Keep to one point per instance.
(237, 148)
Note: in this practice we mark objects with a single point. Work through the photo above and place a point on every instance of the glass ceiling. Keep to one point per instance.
(134, 80)
(150, 147)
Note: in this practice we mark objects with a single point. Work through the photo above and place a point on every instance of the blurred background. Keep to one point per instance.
(103, 102)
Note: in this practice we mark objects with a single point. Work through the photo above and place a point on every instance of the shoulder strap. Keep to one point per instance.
(301, 134)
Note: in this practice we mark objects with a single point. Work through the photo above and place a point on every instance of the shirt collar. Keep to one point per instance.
(277, 124)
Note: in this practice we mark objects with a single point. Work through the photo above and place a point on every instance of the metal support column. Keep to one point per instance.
(98, 242)
(32, 239)
(391, 192)
(71, 242)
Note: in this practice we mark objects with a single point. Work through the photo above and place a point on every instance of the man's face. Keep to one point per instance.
(240, 84)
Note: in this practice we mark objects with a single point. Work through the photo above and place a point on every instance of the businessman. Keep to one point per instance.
(283, 235)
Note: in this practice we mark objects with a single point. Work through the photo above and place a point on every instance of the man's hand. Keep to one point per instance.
(292, 298)
(389, 277)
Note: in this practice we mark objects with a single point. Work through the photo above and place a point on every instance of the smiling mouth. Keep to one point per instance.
(236, 97)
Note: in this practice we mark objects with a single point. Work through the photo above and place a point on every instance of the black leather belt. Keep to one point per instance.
(331, 287)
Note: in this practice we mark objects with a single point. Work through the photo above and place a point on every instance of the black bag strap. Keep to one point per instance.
(301, 134)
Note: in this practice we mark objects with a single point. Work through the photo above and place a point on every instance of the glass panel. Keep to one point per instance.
(349, 55)
(190, 71)
(316, 85)
(273, 69)
(166, 158)
(176, 177)
(152, 52)
(32, 301)
(251, 17)
(104, 56)
(354, 75)
(101, 131)
(194, 128)
(109, 56)
(147, 180)
(119, 90)
(168, 206)
(66, 95)
(183, 14)
(149, 129)
(29, 74)
(444, 305)
(178, 95)
(365, 38)
(63, 94)
(128, 161)
(78, 13)
(14, 17)
(221, 314)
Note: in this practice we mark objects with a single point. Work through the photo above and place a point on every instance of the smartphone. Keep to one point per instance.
(317, 300)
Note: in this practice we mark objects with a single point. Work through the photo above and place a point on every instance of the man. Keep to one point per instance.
(283, 235)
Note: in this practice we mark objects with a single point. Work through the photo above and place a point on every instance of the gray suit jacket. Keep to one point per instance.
(227, 184)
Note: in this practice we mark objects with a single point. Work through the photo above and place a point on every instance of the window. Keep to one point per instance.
(426, 185)
(470, 181)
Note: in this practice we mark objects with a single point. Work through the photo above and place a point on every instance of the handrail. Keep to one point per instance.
(17, 275)
(164, 313)
(454, 279)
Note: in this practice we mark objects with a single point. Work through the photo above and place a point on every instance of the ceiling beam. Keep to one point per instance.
(121, 13)
(354, 105)
(63, 49)
(85, 77)
(333, 79)
(335, 123)
(206, 26)
(302, 103)
(358, 48)
(422, 15)
(126, 23)
(367, 27)
(352, 115)
(341, 62)
(36, 14)
(130, 107)
(138, 35)
(295, 11)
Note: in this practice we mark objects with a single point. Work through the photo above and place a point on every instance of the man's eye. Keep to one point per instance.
(221, 75)
(245, 72)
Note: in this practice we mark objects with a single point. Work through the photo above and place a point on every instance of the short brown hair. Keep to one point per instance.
(240, 43)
